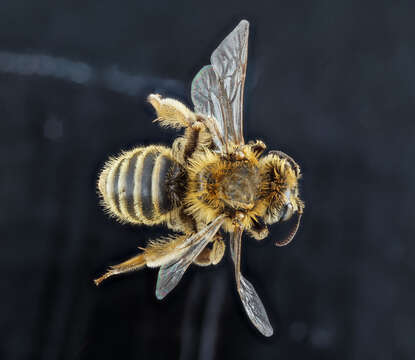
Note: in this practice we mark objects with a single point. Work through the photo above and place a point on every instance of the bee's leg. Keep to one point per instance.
(211, 255)
(257, 147)
(195, 137)
(184, 147)
(135, 263)
(258, 231)
(192, 138)
(177, 149)
(156, 254)
(172, 113)
(160, 252)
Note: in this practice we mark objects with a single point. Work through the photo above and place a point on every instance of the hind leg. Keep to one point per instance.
(135, 263)
(195, 137)
(172, 113)
(157, 253)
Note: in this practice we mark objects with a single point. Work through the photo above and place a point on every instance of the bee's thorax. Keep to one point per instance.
(225, 185)
(238, 186)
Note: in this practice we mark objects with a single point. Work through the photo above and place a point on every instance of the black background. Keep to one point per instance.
(331, 83)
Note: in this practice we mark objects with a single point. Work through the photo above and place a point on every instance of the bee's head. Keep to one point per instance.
(281, 174)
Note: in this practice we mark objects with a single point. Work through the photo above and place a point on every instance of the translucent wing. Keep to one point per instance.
(250, 299)
(218, 89)
(171, 273)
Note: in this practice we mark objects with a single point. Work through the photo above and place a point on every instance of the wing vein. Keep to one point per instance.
(218, 90)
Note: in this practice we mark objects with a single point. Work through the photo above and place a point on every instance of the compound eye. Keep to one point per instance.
(286, 212)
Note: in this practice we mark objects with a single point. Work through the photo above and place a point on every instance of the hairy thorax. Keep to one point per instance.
(237, 185)
(224, 185)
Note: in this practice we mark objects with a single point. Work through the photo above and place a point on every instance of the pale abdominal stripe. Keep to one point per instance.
(132, 185)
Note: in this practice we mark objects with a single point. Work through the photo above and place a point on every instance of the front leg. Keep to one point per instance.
(258, 231)
(257, 147)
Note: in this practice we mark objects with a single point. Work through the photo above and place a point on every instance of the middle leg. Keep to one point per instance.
(212, 255)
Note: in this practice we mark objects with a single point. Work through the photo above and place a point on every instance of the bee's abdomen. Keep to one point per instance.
(135, 186)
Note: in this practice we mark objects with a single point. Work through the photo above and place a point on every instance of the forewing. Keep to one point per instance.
(171, 273)
(249, 297)
(218, 89)
(208, 99)
(229, 61)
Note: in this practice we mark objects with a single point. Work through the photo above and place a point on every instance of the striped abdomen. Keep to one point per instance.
(140, 186)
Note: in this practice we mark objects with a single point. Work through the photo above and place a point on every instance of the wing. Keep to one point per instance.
(250, 299)
(171, 273)
(218, 89)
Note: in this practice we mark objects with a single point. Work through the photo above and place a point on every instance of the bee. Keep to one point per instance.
(208, 183)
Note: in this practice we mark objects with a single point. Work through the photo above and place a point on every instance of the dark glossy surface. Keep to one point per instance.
(331, 83)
